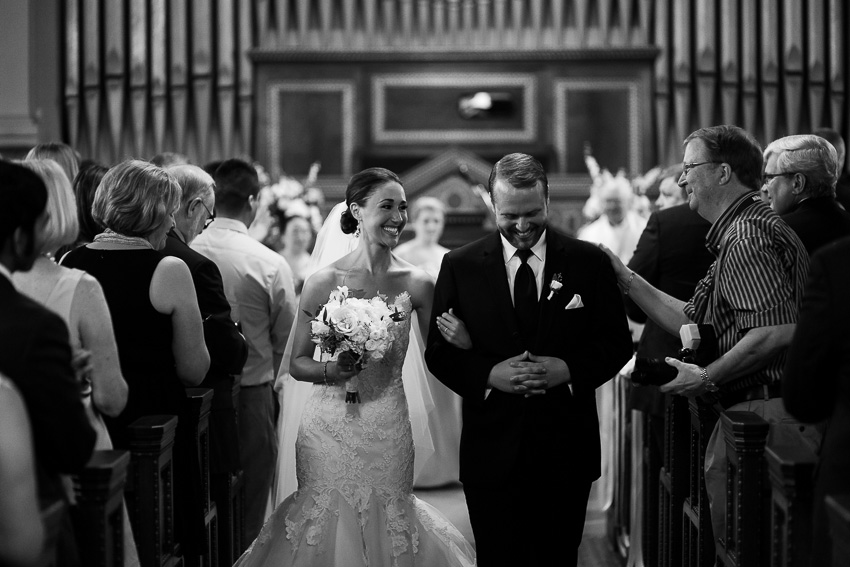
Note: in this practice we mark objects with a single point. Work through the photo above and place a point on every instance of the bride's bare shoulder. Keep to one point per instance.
(415, 280)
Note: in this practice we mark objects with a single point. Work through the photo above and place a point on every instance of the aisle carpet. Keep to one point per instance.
(595, 551)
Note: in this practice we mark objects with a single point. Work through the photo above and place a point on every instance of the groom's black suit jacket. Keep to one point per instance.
(504, 431)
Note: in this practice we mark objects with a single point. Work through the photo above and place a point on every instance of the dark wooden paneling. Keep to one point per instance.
(310, 127)
(602, 119)
(436, 108)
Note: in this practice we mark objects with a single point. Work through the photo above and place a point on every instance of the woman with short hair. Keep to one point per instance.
(155, 314)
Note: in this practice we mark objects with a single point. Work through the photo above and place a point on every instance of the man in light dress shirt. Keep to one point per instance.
(259, 286)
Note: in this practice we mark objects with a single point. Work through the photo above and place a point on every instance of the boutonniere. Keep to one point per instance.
(554, 286)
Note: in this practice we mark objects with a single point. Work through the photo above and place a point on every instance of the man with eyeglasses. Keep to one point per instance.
(799, 179)
(750, 295)
(226, 345)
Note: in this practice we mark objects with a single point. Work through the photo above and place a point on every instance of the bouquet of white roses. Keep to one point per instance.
(363, 328)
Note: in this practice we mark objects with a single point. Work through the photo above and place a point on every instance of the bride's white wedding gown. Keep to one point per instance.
(354, 504)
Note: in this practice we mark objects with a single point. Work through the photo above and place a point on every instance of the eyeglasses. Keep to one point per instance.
(687, 167)
(210, 214)
(768, 177)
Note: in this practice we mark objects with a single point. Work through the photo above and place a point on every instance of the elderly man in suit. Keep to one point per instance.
(547, 327)
(800, 173)
(226, 345)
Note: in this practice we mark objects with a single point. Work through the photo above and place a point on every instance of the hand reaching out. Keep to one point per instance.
(454, 330)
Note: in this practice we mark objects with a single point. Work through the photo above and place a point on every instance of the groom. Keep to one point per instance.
(548, 327)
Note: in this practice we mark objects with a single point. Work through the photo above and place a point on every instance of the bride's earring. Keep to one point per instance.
(357, 230)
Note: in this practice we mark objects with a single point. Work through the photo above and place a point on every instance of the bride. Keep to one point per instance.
(354, 504)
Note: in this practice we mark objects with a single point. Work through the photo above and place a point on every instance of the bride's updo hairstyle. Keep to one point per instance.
(360, 187)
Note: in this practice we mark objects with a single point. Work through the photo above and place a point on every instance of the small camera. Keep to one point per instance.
(699, 346)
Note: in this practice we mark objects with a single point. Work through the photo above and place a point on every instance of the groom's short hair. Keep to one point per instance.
(521, 171)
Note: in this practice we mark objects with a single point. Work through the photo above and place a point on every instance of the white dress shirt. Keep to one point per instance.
(537, 261)
(259, 286)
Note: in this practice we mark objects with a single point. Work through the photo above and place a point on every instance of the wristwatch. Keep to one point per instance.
(710, 386)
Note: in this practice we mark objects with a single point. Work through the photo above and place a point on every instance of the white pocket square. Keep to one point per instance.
(575, 302)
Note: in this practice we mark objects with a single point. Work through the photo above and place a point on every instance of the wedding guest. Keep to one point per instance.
(799, 178)
(842, 186)
(816, 382)
(85, 186)
(751, 295)
(296, 237)
(259, 286)
(529, 375)
(61, 153)
(619, 227)
(78, 299)
(428, 216)
(226, 345)
(669, 192)
(21, 529)
(36, 355)
(155, 314)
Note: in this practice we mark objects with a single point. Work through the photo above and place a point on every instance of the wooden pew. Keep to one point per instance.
(199, 404)
(673, 481)
(745, 541)
(99, 514)
(838, 509)
(791, 471)
(697, 537)
(150, 490)
(229, 498)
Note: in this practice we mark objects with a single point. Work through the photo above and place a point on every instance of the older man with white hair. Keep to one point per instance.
(226, 345)
(619, 227)
(799, 179)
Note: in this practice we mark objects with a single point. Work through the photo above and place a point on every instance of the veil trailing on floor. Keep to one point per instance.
(331, 245)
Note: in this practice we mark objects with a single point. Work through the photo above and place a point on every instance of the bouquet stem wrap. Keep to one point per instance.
(352, 396)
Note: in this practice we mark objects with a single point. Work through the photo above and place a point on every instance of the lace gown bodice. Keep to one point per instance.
(354, 504)
(360, 448)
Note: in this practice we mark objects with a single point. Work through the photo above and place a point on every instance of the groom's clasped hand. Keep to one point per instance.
(529, 374)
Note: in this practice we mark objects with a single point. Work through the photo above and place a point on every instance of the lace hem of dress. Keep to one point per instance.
(315, 518)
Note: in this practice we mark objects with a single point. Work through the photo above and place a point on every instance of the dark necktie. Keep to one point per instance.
(525, 297)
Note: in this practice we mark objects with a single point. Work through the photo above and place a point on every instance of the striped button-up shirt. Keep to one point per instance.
(757, 280)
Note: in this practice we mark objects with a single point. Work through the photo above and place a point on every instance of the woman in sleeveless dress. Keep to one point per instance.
(156, 318)
(354, 504)
(78, 299)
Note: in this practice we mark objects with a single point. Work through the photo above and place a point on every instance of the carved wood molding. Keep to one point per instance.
(344, 88)
(417, 53)
(382, 134)
(562, 87)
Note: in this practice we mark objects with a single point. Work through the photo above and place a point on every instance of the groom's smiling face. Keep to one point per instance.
(521, 214)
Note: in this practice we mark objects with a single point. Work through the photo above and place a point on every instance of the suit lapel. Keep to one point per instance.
(496, 281)
(555, 264)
